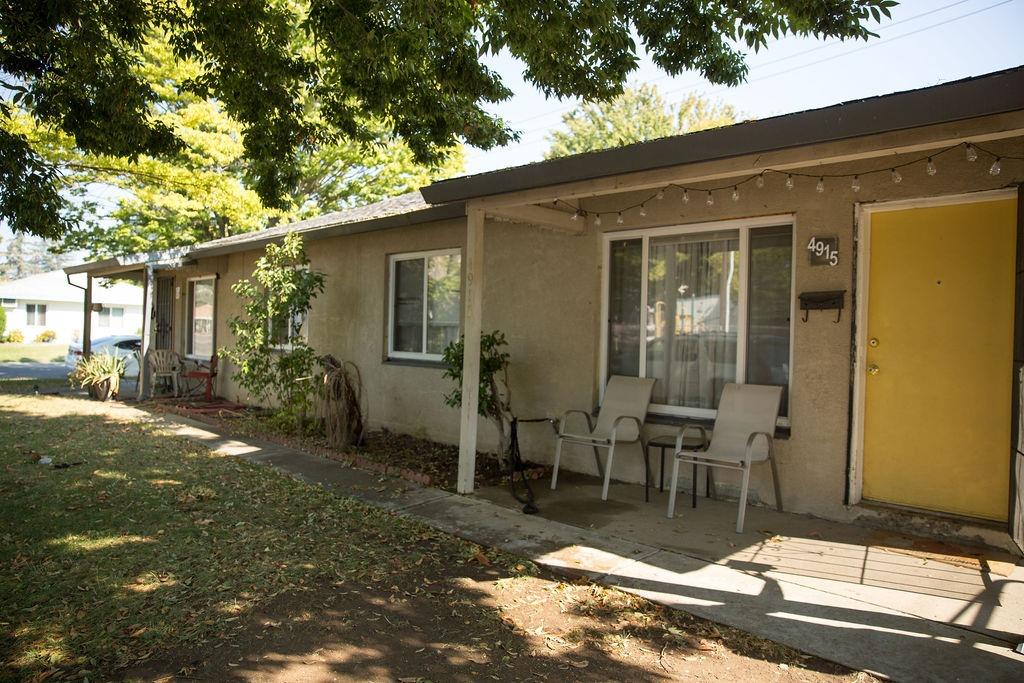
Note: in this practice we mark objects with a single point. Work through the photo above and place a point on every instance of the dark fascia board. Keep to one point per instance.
(399, 220)
(986, 95)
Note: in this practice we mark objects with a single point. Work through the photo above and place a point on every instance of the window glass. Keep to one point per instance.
(282, 330)
(692, 317)
(103, 317)
(408, 306)
(425, 304)
(201, 318)
(35, 315)
(624, 277)
(770, 307)
(443, 288)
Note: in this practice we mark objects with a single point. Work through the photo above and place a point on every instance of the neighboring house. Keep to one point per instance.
(687, 259)
(48, 302)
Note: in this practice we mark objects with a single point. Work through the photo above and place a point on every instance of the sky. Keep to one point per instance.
(926, 42)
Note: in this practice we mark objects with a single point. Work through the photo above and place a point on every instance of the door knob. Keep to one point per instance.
(872, 369)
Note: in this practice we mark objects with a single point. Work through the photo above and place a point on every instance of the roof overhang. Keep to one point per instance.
(123, 265)
(400, 220)
(974, 98)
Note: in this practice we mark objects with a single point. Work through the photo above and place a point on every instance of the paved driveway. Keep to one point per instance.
(33, 371)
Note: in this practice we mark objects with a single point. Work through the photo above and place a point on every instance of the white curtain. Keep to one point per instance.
(692, 304)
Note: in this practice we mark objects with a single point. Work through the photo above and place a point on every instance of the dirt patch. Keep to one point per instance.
(478, 622)
(409, 457)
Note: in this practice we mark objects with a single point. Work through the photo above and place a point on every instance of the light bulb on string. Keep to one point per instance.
(996, 167)
(855, 183)
(619, 220)
(820, 187)
(575, 216)
(643, 210)
(597, 219)
(760, 180)
(735, 193)
(972, 154)
(686, 196)
(660, 195)
(930, 168)
(789, 182)
(711, 198)
(896, 177)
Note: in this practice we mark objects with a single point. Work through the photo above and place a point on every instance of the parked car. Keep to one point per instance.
(124, 346)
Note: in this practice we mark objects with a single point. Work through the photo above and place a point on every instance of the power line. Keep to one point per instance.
(829, 44)
(847, 53)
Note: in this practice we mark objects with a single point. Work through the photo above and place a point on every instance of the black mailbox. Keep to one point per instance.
(823, 301)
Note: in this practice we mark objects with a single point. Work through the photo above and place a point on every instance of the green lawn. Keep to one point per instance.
(153, 543)
(32, 353)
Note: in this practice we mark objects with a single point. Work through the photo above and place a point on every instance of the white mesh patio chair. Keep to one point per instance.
(163, 364)
(620, 421)
(742, 435)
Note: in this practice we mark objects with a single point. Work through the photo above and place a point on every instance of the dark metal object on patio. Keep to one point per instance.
(516, 465)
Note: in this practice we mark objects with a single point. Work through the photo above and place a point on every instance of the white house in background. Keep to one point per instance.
(48, 302)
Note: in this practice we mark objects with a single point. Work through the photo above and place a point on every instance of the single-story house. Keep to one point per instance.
(53, 302)
(865, 256)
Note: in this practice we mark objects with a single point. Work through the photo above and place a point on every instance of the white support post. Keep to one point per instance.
(471, 321)
(87, 321)
(147, 295)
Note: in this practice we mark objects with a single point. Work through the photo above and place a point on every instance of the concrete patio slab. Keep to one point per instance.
(875, 566)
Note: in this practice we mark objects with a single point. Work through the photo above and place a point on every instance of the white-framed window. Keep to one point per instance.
(283, 330)
(111, 317)
(699, 306)
(35, 315)
(201, 310)
(8, 303)
(424, 303)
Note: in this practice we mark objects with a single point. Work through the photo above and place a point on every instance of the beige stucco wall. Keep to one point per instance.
(542, 289)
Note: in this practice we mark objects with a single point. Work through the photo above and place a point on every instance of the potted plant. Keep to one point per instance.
(99, 374)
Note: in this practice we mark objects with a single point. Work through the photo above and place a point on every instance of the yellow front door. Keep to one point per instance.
(938, 370)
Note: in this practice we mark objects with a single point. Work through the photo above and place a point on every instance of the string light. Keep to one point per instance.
(971, 151)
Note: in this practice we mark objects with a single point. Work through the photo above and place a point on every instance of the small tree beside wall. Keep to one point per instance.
(271, 357)
(495, 401)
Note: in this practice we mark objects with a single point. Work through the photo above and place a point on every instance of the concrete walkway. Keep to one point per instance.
(813, 618)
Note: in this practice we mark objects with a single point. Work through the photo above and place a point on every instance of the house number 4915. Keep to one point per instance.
(824, 251)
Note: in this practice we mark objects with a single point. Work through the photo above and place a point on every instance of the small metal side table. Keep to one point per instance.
(662, 442)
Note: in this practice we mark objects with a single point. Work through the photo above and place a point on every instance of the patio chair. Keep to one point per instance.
(742, 435)
(164, 364)
(620, 421)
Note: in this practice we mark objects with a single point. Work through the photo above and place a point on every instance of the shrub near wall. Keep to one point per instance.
(16, 337)
(46, 336)
(3, 323)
